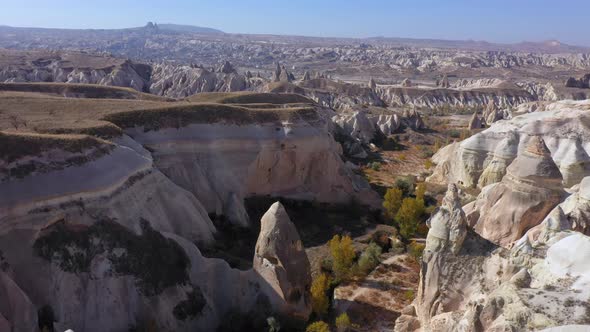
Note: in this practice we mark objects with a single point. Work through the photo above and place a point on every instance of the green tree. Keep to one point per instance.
(319, 297)
(369, 259)
(408, 216)
(343, 255)
(343, 322)
(318, 326)
(392, 202)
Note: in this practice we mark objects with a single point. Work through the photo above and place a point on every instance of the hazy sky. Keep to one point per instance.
(491, 20)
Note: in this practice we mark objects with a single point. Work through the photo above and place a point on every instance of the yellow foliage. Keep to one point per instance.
(409, 215)
(428, 164)
(319, 298)
(343, 255)
(343, 322)
(318, 326)
(420, 190)
(402, 156)
(392, 201)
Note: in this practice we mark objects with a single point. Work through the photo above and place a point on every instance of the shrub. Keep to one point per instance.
(318, 326)
(392, 201)
(402, 157)
(369, 259)
(406, 184)
(408, 216)
(343, 322)
(437, 145)
(415, 250)
(319, 298)
(375, 166)
(409, 295)
(390, 144)
(428, 164)
(420, 190)
(343, 256)
(454, 133)
(273, 324)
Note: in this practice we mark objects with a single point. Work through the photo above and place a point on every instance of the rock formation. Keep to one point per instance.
(560, 126)
(476, 122)
(477, 286)
(531, 188)
(282, 262)
(412, 119)
(372, 84)
(448, 225)
(444, 82)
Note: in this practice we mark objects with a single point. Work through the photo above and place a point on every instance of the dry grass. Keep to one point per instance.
(80, 91)
(14, 146)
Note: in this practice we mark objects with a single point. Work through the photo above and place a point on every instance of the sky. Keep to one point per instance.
(500, 21)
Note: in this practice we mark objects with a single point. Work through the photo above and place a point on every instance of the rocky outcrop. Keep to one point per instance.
(64, 67)
(412, 119)
(220, 162)
(183, 81)
(372, 84)
(476, 122)
(440, 97)
(17, 313)
(339, 95)
(485, 288)
(406, 83)
(448, 225)
(491, 151)
(532, 187)
(281, 261)
(364, 126)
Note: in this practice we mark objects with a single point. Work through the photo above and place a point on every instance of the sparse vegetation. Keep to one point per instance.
(343, 322)
(319, 297)
(408, 216)
(415, 250)
(392, 202)
(318, 326)
(343, 256)
(368, 260)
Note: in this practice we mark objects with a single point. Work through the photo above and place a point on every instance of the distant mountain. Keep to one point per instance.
(188, 28)
(549, 46)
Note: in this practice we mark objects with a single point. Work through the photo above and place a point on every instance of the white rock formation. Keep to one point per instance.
(560, 126)
(282, 262)
(532, 187)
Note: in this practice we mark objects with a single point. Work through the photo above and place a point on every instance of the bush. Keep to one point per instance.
(319, 297)
(318, 326)
(415, 250)
(409, 295)
(428, 164)
(454, 133)
(273, 324)
(390, 144)
(369, 259)
(392, 201)
(375, 166)
(420, 190)
(343, 322)
(408, 216)
(402, 157)
(405, 184)
(343, 256)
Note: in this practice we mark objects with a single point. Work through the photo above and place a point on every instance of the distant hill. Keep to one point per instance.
(188, 28)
